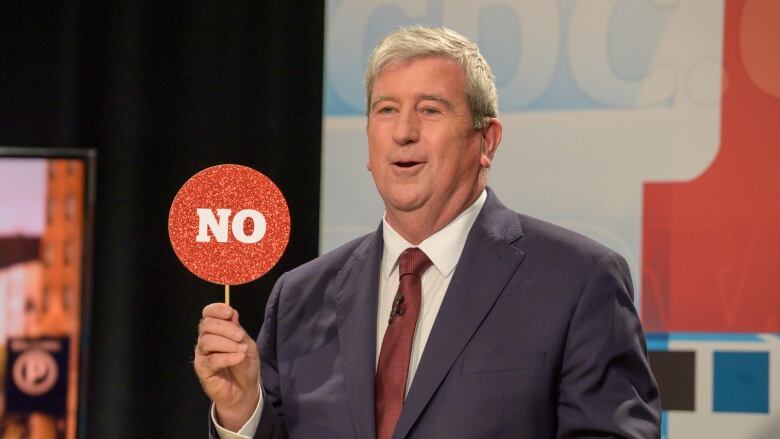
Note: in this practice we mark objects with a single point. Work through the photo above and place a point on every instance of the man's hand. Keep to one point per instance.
(227, 365)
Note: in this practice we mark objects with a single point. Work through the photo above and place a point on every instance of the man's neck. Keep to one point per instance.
(415, 226)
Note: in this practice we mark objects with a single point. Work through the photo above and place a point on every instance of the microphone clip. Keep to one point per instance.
(396, 309)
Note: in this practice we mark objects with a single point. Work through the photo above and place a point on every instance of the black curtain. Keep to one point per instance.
(163, 91)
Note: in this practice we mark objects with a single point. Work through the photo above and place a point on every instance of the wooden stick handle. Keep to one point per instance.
(227, 295)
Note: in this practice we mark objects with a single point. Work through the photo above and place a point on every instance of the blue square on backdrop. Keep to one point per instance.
(741, 382)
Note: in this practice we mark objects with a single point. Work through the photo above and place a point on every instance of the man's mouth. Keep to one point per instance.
(406, 164)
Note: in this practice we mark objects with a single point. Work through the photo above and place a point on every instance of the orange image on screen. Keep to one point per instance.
(40, 297)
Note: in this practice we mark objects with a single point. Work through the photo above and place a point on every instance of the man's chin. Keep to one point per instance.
(405, 202)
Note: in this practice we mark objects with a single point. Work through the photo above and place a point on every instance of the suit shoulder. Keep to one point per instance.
(330, 263)
(538, 238)
(560, 242)
(569, 256)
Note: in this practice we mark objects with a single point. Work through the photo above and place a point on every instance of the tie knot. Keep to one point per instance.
(413, 261)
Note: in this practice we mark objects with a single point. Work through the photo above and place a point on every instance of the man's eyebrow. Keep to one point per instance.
(377, 100)
(423, 97)
(438, 98)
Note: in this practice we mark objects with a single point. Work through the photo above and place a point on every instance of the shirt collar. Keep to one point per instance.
(443, 248)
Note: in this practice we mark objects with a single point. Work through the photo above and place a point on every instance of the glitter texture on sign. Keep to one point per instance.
(236, 188)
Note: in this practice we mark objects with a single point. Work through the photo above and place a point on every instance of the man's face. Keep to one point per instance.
(424, 152)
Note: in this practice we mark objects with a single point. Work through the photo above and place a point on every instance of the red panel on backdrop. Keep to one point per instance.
(711, 246)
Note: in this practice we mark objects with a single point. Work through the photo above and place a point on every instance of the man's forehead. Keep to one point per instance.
(441, 74)
(408, 62)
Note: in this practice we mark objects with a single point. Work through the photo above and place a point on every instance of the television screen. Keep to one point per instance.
(45, 228)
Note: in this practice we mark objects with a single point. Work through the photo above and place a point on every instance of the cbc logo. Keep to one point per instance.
(35, 372)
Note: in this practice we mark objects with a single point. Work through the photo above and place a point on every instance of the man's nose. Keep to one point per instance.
(406, 129)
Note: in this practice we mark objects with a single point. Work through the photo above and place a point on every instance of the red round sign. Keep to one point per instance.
(229, 224)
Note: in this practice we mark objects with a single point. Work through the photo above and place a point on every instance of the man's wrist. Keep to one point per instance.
(234, 418)
(247, 431)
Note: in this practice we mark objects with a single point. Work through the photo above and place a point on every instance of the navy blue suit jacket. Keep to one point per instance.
(537, 337)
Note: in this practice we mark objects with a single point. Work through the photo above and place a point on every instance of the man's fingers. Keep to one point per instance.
(208, 365)
(211, 325)
(219, 311)
(210, 344)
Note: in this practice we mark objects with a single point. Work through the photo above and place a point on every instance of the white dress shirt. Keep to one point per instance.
(443, 248)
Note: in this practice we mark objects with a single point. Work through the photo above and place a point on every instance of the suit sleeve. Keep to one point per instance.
(271, 424)
(606, 386)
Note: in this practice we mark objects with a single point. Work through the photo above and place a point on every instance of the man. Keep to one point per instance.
(457, 318)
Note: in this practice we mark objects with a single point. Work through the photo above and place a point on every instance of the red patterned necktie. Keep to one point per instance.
(393, 368)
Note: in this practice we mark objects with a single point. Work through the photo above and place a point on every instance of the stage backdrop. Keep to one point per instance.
(648, 125)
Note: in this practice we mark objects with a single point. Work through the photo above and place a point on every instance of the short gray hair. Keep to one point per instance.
(413, 42)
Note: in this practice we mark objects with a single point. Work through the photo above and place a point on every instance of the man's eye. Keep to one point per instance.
(386, 110)
(430, 111)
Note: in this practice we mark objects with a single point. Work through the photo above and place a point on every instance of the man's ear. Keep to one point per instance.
(491, 137)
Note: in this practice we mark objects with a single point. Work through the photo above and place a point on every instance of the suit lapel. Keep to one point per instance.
(485, 266)
(355, 296)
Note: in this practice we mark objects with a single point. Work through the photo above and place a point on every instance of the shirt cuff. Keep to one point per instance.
(248, 430)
